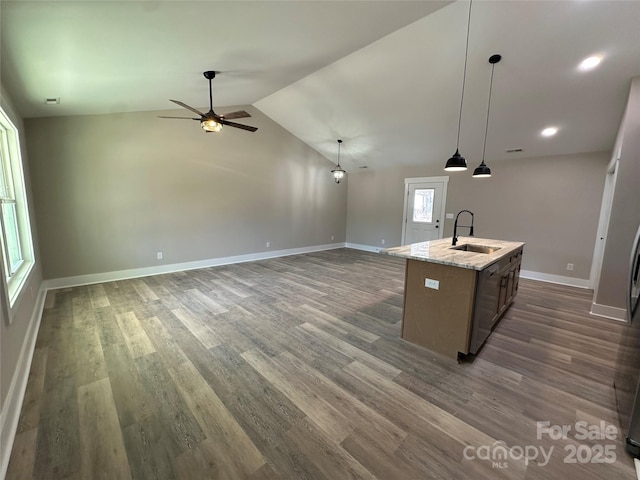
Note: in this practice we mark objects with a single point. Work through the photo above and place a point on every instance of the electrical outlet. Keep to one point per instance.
(382, 241)
(429, 283)
(159, 255)
(331, 237)
(268, 244)
(569, 266)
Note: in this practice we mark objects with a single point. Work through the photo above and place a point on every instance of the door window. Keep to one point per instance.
(423, 205)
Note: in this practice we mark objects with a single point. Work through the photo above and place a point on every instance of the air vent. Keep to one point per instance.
(52, 101)
(513, 150)
(363, 166)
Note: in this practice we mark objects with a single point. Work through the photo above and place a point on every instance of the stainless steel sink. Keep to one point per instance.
(470, 247)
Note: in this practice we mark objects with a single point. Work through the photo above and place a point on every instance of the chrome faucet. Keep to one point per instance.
(455, 227)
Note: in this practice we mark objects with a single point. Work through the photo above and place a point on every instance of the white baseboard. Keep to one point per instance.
(214, 262)
(606, 311)
(365, 248)
(10, 414)
(179, 267)
(543, 277)
(559, 279)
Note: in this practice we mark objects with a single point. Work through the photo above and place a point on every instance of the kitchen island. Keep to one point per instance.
(455, 295)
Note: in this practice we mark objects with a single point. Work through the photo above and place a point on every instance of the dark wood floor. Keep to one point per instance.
(293, 368)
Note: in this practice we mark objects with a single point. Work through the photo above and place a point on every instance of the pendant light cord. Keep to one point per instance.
(464, 75)
(486, 128)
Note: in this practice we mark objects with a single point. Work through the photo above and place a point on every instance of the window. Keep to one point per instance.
(17, 247)
(423, 205)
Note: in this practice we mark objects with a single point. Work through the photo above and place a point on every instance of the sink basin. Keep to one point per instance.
(470, 247)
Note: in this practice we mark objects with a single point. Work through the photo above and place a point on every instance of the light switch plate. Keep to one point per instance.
(449, 215)
(429, 283)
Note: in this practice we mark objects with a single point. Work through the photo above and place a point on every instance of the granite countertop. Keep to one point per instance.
(440, 251)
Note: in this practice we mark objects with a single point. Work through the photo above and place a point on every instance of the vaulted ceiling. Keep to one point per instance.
(385, 76)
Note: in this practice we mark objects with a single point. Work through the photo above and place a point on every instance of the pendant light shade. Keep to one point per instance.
(482, 171)
(338, 172)
(457, 163)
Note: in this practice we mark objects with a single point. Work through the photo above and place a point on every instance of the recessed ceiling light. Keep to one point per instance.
(549, 132)
(589, 63)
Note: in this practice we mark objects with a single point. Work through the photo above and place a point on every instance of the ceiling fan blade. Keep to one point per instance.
(238, 125)
(182, 118)
(238, 114)
(187, 107)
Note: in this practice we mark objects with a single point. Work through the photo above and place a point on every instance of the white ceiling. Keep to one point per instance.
(385, 76)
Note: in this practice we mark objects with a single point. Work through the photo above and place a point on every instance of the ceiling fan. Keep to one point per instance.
(211, 121)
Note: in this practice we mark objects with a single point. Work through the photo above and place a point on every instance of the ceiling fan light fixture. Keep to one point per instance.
(210, 125)
(338, 172)
(210, 121)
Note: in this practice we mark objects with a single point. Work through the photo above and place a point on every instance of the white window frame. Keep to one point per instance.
(11, 165)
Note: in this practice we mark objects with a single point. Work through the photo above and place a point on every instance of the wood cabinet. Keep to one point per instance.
(457, 317)
(438, 319)
(509, 277)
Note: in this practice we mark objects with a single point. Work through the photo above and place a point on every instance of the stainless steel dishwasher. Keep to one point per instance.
(486, 304)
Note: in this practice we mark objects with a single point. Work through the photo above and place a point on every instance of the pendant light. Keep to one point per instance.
(338, 172)
(482, 171)
(457, 163)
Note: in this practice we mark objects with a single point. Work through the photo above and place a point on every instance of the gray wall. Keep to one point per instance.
(625, 208)
(551, 203)
(112, 190)
(12, 337)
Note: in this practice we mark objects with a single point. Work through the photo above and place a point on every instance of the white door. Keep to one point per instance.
(603, 224)
(424, 209)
